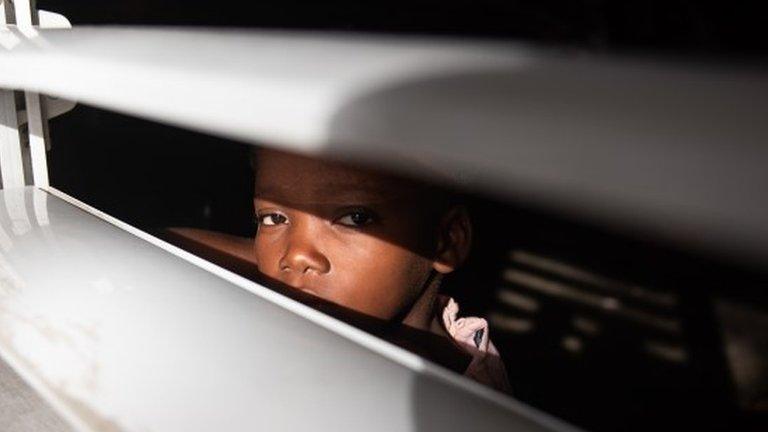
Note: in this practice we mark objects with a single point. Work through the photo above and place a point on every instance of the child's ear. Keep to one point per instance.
(454, 239)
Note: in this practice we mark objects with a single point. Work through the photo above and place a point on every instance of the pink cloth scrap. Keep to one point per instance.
(472, 336)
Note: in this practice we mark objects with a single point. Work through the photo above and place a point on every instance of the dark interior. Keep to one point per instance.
(678, 27)
(601, 327)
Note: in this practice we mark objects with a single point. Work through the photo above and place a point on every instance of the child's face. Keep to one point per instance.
(350, 236)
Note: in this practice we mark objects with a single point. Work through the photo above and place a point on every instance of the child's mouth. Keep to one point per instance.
(307, 290)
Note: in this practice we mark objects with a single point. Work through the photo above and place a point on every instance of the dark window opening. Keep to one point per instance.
(605, 330)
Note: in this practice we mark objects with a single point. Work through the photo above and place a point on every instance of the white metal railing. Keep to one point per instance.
(24, 16)
(26, 20)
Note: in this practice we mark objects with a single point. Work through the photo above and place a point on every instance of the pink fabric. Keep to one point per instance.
(471, 335)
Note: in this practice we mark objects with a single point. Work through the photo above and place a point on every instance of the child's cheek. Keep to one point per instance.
(378, 278)
(266, 255)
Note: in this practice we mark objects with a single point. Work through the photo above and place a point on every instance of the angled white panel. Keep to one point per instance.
(120, 334)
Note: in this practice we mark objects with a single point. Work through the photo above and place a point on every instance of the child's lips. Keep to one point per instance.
(313, 287)
(301, 284)
(307, 290)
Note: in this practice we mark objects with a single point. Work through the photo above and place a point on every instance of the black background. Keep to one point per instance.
(728, 28)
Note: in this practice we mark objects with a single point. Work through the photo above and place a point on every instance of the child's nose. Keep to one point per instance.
(302, 255)
(304, 260)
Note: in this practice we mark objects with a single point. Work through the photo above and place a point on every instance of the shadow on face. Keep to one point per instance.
(360, 238)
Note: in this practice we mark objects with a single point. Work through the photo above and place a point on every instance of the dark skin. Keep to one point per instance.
(371, 242)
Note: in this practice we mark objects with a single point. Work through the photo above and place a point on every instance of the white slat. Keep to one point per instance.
(675, 151)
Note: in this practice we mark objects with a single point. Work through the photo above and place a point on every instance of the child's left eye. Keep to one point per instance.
(271, 219)
(356, 218)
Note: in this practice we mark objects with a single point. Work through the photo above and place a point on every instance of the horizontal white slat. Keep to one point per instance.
(675, 150)
(120, 331)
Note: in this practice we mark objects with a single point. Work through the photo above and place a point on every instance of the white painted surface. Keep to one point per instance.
(52, 20)
(54, 107)
(120, 334)
(26, 16)
(22, 409)
(674, 150)
(11, 166)
(38, 123)
(27, 20)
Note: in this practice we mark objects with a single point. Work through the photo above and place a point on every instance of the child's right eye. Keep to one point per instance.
(271, 219)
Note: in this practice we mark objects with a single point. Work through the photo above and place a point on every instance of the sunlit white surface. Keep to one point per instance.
(122, 335)
(675, 150)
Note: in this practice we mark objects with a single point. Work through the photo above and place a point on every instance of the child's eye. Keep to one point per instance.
(356, 218)
(271, 219)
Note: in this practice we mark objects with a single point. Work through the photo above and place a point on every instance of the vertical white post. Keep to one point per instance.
(6, 13)
(11, 166)
(26, 19)
(37, 123)
(26, 16)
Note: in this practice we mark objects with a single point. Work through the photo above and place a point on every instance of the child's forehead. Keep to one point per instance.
(284, 175)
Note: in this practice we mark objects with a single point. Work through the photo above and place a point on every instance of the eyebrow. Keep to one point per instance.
(343, 190)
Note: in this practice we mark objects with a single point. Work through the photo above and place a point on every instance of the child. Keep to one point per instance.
(370, 242)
